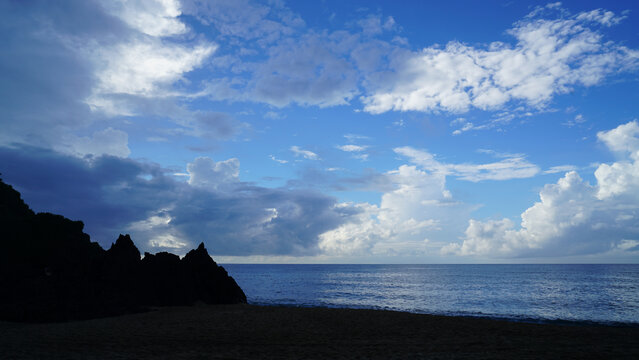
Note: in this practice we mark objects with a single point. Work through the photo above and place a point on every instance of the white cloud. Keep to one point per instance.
(513, 166)
(352, 148)
(549, 58)
(151, 17)
(159, 232)
(560, 169)
(306, 154)
(607, 18)
(356, 236)
(144, 62)
(623, 139)
(144, 67)
(167, 241)
(418, 206)
(207, 174)
(277, 160)
(414, 205)
(621, 177)
(357, 150)
(572, 216)
(89, 53)
(467, 126)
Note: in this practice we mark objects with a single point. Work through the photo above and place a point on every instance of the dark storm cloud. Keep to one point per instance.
(105, 192)
(110, 194)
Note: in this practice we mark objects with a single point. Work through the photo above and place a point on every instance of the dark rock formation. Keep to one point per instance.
(51, 271)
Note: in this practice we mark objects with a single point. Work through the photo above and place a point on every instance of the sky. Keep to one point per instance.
(330, 131)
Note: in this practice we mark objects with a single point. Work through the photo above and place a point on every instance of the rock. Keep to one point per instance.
(209, 282)
(51, 271)
(162, 280)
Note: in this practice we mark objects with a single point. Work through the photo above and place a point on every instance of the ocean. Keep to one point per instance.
(538, 293)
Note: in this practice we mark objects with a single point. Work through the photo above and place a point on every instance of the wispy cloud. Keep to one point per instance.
(356, 137)
(306, 154)
(578, 119)
(352, 148)
(513, 166)
(560, 169)
(277, 160)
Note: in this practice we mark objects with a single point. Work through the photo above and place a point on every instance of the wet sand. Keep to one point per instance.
(255, 332)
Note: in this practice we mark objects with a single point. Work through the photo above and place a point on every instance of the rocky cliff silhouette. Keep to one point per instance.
(51, 271)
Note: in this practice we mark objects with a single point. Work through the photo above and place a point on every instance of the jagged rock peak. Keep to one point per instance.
(124, 246)
(199, 256)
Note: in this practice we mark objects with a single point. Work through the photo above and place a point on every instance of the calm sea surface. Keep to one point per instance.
(599, 293)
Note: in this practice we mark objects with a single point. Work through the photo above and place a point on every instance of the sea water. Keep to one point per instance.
(590, 293)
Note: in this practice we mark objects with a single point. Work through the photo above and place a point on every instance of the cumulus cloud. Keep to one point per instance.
(415, 204)
(622, 177)
(114, 195)
(571, 217)
(550, 57)
(415, 207)
(207, 174)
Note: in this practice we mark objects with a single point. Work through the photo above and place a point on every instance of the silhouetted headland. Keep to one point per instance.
(51, 271)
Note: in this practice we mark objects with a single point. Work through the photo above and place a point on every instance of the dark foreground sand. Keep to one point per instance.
(254, 332)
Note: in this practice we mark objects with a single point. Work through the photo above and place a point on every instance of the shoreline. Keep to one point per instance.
(514, 319)
(278, 332)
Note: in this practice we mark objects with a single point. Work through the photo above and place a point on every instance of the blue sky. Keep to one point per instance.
(330, 131)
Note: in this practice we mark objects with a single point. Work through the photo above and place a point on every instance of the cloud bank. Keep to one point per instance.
(113, 195)
(571, 217)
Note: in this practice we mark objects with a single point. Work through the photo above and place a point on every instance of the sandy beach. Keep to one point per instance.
(256, 332)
